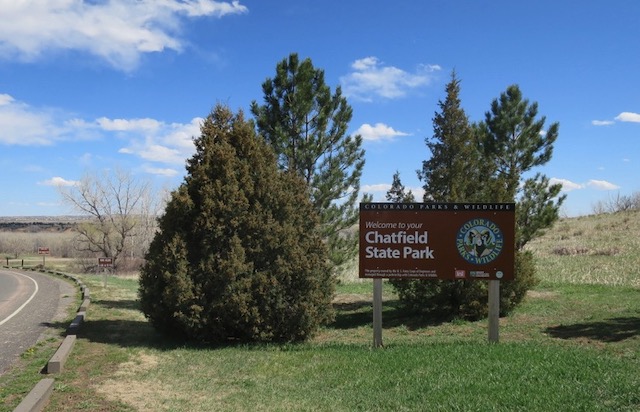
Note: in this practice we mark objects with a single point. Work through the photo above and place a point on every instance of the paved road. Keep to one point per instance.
(29, 302)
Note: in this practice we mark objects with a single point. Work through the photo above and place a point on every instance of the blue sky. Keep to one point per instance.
(91, 85)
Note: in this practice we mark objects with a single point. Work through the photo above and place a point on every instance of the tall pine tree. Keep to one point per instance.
(453, 172)
(514, 140)
(306, 125)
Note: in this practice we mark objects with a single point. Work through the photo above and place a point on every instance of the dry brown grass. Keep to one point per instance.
(599, 249)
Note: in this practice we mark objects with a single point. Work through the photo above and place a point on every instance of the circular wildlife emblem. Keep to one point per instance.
(479, 241)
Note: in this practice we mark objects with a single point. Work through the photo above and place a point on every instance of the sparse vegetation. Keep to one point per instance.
(617, 203)
(597, 249)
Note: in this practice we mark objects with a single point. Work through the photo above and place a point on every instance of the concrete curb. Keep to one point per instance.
(36, 400)
(85, 305)
(39, 396)
(76, 323)
(57, 361)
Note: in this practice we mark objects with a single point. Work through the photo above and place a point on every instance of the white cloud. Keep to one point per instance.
(180, 135)
(602, 185)
(567, 185)
(159, 142)
(628, 117)
(155, 153)
(379, 131)
(5, 99)
(118, 31)
(23, 125)
(149, 139)
(602, 122)
(168, 172)
(123, 125)
(381, 187)
(370, 78)
(58, 181)
(622, 117)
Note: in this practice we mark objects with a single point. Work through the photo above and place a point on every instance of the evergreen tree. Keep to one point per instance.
(513, 139)
(306, 125)
(398, 193)
(452, 173)
(238, 255)
(538, 208)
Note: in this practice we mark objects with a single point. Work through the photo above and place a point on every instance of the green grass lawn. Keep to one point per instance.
(573, 345)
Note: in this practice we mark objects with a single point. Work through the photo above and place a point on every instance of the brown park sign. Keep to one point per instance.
(437, 240)
(105, 262)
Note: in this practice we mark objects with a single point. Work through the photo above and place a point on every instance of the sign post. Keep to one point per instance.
(105, 263)
(377, 313)
(439, 241)
(494, 310)
(44, 251)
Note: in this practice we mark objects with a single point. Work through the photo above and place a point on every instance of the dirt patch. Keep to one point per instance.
(124, 387)
(350, 298)
(541, 294)
(351, 302)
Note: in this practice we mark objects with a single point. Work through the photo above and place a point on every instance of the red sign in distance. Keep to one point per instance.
(437, 240)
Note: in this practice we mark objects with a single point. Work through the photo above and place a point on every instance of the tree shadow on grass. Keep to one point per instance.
(136, 333)
(359, 313)
(118, 304)
(126, 333)
(120, 332)
(608, 330)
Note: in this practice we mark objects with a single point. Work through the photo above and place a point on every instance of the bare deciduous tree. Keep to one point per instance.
(122, 209)
(617, 203)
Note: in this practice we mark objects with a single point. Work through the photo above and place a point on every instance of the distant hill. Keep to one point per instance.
(35, 224)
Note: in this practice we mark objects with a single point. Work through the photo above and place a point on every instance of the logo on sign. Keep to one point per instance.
(479, 241)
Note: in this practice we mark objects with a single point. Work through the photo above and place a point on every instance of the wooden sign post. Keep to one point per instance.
(44, 251)
(494, 310)
(106, 263)
(377, 313)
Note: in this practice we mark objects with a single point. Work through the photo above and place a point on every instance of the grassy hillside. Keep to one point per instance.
(600, 249)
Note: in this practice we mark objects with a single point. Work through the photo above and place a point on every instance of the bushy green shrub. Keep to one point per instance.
(466, 299)
(238, 255)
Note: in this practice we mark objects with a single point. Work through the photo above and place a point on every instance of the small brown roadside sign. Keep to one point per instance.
(105, 262)
(437, 240)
